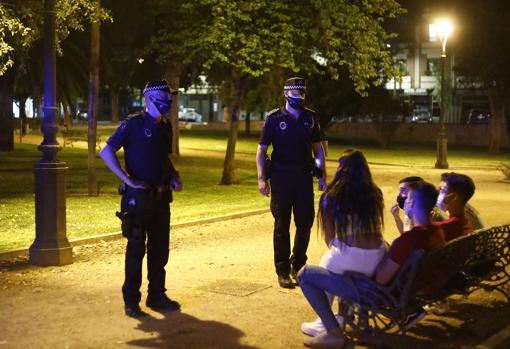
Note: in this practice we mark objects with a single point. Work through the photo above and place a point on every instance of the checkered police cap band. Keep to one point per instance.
(294, 84)
(158, 85)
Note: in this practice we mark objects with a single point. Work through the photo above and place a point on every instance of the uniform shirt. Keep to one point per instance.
(454, 227)
(147, 145)
(291, 138)
(422, 237)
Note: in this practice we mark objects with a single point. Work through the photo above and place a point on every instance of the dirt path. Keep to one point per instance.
(222, 274)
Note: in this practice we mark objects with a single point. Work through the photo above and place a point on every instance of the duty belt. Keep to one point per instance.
(154, 193)
(289, 167)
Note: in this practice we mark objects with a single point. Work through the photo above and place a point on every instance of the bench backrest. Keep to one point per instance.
(435, 268)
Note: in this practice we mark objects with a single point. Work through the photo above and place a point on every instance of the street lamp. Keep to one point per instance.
(51, 246)
(442, 29)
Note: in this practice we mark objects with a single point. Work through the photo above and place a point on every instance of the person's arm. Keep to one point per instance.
(320, 160)
(110, 159)
(398, 221)
(260, 159)
(387, 270)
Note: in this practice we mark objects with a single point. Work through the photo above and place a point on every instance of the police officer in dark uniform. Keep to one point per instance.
(147, 185)
(294, 133)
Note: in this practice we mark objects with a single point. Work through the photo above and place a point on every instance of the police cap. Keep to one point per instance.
(294, 84)
(159, 85)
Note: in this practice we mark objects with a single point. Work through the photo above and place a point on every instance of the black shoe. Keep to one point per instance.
(294, 275)
(134, 311)
(162, 303)
(285, 281)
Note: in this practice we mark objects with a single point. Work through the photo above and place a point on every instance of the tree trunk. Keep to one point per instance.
(498, 110)
(174, 82)
(93, 106)
(6, 114)
(211, 108)
(114, 101)
(248, 116)
(507, 118)
(226, 113)
(228, 177)
(68, 120)
(23, 116)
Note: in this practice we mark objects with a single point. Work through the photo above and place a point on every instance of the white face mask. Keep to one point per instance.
(440, 202)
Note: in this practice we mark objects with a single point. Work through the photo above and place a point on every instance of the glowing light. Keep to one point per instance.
(140, 60)
(441, 29)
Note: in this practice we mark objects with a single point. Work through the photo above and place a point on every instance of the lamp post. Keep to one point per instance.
(442, 29)
(51, 246)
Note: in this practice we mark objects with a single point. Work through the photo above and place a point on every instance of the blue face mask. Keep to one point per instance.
(163, 105)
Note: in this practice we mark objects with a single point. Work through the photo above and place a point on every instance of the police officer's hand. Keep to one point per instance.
(322, 184)
(264, 187)
(176, 184)
(136, 183)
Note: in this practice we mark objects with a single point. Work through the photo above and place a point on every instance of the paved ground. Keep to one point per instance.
(222, 274)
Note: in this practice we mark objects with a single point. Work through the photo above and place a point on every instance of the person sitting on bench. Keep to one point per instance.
(316, 282)
(455, 190)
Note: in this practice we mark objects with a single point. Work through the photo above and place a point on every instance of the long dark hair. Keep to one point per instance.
(352, 200)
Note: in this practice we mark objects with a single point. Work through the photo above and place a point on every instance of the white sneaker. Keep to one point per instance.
(315, 327)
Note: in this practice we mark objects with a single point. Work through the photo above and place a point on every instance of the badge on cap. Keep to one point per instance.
(148, 133)
(283, 125)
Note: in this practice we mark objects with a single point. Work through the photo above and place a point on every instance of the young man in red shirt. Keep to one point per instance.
(424, 235)
(455, 190)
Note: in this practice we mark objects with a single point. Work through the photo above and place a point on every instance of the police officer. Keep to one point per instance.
(294, 132)
(147, 185)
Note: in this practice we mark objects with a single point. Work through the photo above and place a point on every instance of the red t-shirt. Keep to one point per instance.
(423, 237)
(454, 227)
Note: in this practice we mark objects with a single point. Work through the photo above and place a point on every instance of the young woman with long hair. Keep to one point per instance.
(351, 222)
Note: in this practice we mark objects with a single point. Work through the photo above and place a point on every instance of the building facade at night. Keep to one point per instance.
(418, 83)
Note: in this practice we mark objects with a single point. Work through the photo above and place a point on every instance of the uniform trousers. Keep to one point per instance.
(291, 192)
(154, 218)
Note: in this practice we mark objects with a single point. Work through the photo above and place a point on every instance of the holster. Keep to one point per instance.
(133, 204)
(314, 170)
(267, 168)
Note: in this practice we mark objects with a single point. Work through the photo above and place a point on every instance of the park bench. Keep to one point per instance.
(468, 263)
(71, 135)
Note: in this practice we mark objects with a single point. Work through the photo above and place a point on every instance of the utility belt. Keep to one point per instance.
(309, 167)
(135, 203)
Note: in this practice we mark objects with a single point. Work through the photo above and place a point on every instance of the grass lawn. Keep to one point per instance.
(201, 166)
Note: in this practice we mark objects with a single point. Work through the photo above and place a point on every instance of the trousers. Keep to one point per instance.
(291, 192)
(153, 217)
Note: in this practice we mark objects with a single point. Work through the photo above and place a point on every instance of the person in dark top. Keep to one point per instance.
(455, 190)
(294, 133)
(147, 184)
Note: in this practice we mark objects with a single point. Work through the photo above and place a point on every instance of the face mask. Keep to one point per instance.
(163, 105)
(295, 103)
(401, 201)
(440, 202)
